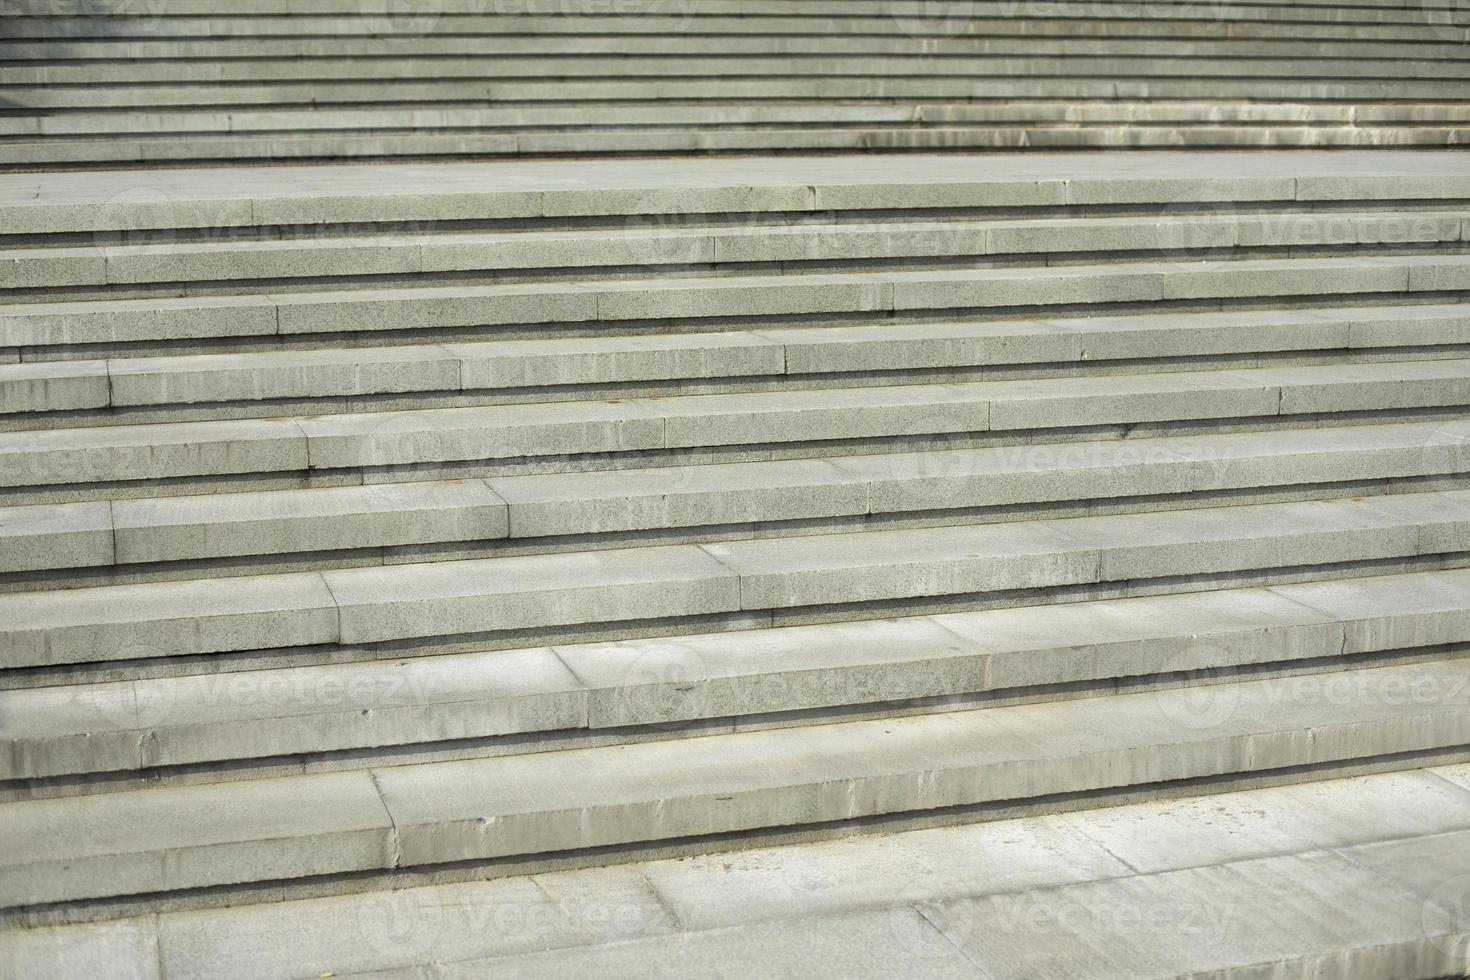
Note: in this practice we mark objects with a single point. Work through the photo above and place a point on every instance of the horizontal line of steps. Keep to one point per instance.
(812, 8)
(383, 523)
(140, 98)
(782, 8)
(725, 298)
(709, 17)
(710, 68)
(50, 465)
(792, 114)
(646, 243)
(1371, 868)
(530, 700)
(114, 152)
(51, 394)
(413, 816)
(1438, 26)
(358, 613)
(363, 196)
(264, 46)
(356, 121)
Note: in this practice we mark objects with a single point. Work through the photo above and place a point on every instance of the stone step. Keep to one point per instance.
(725, 299)
(390, 117)
(613, 93)
(909, 19)
(1438, 26)
(359, 613)
(122, 151)
(210, 201)
(251, 44)
(272, 383)
(413, 816)
(711, 68)
(276, 721)
(830, 8)
(1370, 866)
(247, 533)
(570, 436)
(812, 10)
(646, 244)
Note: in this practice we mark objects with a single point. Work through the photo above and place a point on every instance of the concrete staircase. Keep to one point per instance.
(103, 82)
(363, 526)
